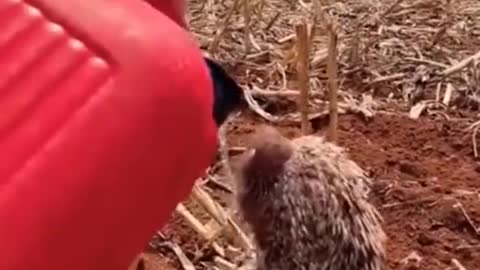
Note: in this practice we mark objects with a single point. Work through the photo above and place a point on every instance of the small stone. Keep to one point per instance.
(425, 240)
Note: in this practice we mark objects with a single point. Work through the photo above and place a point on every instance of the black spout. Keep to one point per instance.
(227, 93)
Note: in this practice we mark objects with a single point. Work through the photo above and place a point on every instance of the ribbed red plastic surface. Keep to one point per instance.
(41, 64)
(105, 122)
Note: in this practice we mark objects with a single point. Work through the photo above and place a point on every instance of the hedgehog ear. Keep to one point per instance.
(272, 150)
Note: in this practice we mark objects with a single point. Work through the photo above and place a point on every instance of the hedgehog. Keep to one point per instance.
(306, 204)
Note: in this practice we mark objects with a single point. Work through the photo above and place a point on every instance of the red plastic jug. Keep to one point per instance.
(105, 122)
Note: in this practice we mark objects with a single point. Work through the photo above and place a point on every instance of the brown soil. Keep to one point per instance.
(422, 170)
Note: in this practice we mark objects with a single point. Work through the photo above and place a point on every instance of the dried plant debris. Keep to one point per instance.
(400, 48)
